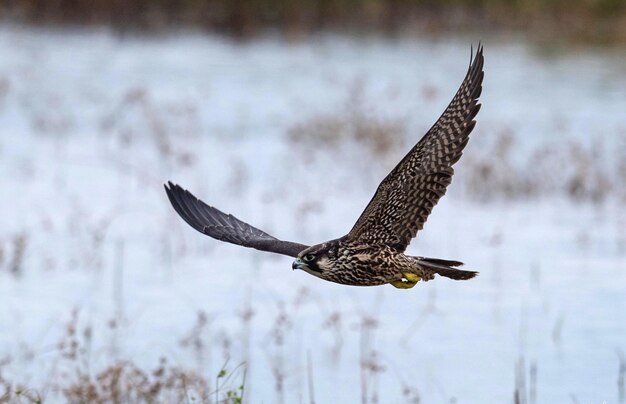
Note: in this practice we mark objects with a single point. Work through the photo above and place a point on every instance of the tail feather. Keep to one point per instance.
(456, 274)
(439, 261)
(446, 268)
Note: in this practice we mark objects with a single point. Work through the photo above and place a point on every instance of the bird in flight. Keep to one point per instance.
(373, 252)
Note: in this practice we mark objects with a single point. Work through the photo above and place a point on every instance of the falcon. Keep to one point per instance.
(373, 252)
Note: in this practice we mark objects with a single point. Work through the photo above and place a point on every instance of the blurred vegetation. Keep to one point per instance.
(592, 20)
(356, 121)
(122, 381)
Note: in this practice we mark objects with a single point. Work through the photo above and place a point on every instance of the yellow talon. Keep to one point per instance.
(408, 282)
(411, 277)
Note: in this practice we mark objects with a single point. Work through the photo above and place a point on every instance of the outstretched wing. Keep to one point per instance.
(407, 195)
(224, 227)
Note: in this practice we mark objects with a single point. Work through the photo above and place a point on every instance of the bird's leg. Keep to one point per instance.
(407, 282)
(402, 284)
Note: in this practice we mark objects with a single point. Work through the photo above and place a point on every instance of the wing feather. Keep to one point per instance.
(406, 197)
(225, 227)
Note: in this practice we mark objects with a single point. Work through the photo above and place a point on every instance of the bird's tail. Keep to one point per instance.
(446, 268)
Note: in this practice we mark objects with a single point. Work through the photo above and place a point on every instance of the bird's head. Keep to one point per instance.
(317, 260)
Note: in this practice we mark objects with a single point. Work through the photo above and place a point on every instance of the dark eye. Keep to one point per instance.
(308, 257)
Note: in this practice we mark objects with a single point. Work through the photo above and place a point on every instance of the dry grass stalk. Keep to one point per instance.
(356, 122)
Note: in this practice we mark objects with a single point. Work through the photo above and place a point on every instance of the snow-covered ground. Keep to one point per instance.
(91, 126)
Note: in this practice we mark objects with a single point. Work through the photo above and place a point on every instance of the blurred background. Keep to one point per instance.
(288, 114)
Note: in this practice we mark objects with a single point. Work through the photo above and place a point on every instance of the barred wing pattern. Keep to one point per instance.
(405, 198)
(224, 227)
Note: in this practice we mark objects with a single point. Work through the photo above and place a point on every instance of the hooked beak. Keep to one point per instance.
(297, 264)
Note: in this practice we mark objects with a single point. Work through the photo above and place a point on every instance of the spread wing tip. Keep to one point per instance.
(202, 217)
(183, 203)
(225, 227)
(475, 75)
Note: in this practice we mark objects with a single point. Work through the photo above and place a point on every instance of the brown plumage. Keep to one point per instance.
(372, 253)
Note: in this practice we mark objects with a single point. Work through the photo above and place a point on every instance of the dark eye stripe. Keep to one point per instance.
(314, 268)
